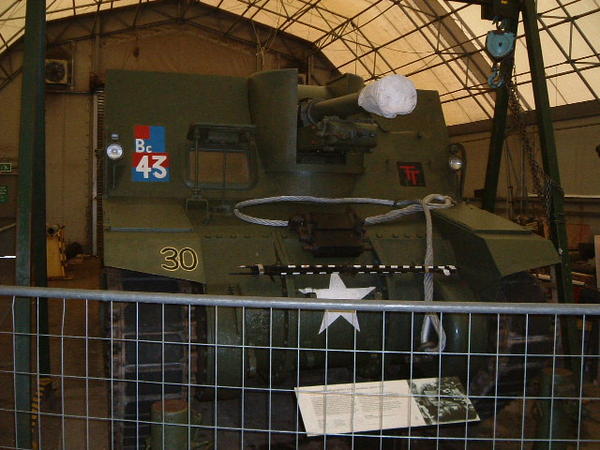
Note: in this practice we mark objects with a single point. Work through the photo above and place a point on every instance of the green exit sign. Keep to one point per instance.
(3, 193)
(5, 167)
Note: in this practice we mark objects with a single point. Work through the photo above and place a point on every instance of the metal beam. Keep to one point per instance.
(481, 89)
(433, 46)
(399, 38)
(197, 15)
(555, 196)
(492, 172)
(548, 146)
(452, 32)
(581, 110)
(32, 146)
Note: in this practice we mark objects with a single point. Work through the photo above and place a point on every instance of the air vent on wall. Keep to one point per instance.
(57, 71)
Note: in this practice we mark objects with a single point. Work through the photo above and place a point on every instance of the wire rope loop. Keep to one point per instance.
(400, 209)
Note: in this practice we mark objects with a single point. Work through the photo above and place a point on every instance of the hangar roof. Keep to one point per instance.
(438, 44)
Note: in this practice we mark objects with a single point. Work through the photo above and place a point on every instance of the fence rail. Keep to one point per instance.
(136, 370)
(303, 302)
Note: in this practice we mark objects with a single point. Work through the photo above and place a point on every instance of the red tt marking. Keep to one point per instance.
(411, 173)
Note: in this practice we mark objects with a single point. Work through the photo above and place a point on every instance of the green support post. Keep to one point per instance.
(492, 173)
(31, 146)
(39, 227)
(548, 146)
(556, 212)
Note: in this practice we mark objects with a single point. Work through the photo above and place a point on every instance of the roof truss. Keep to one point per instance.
(439, 44)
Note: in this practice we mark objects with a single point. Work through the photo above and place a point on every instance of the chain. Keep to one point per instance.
(326, 269)
(544, 185)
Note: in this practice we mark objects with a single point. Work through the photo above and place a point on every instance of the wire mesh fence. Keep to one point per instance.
(138, 371)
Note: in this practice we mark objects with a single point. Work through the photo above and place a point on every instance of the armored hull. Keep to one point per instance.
(193, 147)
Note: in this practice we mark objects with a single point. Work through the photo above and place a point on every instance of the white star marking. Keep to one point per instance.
(338, 290)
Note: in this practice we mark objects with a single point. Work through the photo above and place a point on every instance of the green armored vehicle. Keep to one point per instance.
(259, 186)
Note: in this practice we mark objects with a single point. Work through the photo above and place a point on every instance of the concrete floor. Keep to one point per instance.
(71, 394)
(78, 358)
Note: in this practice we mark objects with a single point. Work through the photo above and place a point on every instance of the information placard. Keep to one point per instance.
(368, 406)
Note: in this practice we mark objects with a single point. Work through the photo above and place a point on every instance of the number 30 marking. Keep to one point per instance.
(186, 259)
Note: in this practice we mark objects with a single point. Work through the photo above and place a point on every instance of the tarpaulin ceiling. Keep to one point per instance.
(438, 44)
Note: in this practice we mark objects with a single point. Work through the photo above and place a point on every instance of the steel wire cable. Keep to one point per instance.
(408, 207)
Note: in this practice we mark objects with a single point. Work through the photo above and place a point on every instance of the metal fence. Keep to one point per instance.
(139, 370)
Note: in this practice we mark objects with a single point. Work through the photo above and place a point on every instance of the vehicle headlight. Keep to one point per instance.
(114, 151)
(455, 162)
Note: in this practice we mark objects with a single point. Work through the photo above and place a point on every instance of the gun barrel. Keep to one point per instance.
(387, 97)
(343, 106)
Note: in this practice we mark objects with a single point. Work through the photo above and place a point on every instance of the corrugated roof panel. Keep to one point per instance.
(359, 67)
(344, 7)
(313, 31)
(589, 25)
(553, 55)
(472, 107)
(469, 19)
(526, 92)
(442, 44)
(11, 22)
(447, 78)
(567, 88)
(422, 64)
(339, 54)
(592, 76)
(212, 2)
(579, 47)
(521, 59)
(234, 6)
(455, 111)
(575, 8)
(269, 18)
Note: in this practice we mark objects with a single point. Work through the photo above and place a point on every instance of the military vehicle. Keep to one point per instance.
(262, 187)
